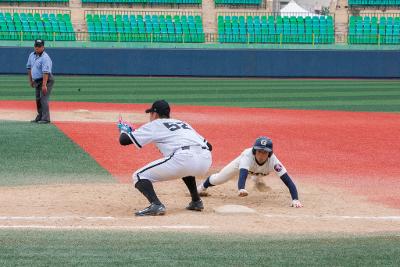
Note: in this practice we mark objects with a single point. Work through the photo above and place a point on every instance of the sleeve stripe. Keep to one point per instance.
(134, 140)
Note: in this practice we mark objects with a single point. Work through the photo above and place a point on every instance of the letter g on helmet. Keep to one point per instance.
(263, 143)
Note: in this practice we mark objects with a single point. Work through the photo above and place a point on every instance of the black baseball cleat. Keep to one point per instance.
(43, 122)
(195, 205)
(34, 121)
(152, 210)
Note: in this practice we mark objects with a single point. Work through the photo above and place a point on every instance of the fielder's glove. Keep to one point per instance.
(243, 193)
(296, 203)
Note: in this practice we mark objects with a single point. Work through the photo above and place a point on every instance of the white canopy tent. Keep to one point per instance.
(293, 9)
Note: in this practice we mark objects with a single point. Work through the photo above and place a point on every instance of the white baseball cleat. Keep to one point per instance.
(243, 193)
(202, 190)
(296, 204)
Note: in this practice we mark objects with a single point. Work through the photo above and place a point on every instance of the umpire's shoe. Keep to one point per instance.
(195, 205)
(152, 210)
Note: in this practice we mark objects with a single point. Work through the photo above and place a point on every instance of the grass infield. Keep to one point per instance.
(41, 154)
(108, 248)
(352, 95)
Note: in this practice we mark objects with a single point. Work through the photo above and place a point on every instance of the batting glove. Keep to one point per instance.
(243, 193)
(296, 203)
(124, 127)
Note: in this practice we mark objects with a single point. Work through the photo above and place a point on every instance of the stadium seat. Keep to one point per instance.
(275, 29)
(376, 3)
(30, 26)
(371, 30)
(147, 28)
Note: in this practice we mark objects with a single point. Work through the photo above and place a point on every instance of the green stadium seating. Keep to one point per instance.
(393, 3)
(28, 26)
(263, 29)
(238, 2)
(34, 1)
(371, 30)
(148, 28)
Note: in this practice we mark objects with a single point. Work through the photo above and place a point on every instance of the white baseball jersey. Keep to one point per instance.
(185, 151)
(168, 135)
(247, 161)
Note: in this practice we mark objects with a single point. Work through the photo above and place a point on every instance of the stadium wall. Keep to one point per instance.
(212, 62)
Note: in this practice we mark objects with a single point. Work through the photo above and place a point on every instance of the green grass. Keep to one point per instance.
(107, 248)
(41, 154)
(352, 95)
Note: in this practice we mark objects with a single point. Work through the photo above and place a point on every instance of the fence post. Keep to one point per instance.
(313, 39)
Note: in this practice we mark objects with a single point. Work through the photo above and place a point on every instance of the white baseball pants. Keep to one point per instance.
(194, 161)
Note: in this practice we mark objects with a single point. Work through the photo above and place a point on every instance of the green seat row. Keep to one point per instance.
(148, 28)
(29, 26)
(256, 29)
(162, 2)
(374, 2)
(238, 2)
(34, 1)
(371, 30)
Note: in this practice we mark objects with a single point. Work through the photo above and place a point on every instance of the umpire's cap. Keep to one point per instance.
(161, 107)
(39, 42)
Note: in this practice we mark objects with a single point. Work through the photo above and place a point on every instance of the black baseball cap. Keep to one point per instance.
(161, 107)
(39, 42)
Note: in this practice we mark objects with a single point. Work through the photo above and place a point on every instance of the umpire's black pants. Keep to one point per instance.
(42, 101)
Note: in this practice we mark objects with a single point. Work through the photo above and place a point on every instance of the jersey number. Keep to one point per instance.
(176, 126)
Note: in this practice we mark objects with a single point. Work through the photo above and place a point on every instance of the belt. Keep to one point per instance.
(257, 173)
(41, 79)
(188, 147)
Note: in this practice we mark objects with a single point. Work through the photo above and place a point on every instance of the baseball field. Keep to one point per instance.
(66, 197)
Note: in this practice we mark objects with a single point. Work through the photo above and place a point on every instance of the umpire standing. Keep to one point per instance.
(40, 77)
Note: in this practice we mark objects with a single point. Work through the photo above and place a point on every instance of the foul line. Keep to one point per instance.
(82, 219)
(337, 217)
(111, 227)
(111, 218)
(52, 218)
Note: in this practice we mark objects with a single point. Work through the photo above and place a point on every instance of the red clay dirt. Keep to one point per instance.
(358, 151)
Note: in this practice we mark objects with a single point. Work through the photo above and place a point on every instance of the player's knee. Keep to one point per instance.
(217, 179)
(213, 179)
(135, 177)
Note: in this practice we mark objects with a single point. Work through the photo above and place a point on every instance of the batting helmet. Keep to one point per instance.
(263, 143)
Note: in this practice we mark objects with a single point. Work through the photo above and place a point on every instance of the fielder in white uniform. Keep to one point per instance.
(186, 155)
(256, 162)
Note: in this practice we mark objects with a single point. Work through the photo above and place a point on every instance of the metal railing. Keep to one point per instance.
(377, 15)
(204, 38)
(274, 14)
(169, 37)
(140, 12)
(33, 11)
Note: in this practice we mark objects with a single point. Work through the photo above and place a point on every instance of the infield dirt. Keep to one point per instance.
(343, 163)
